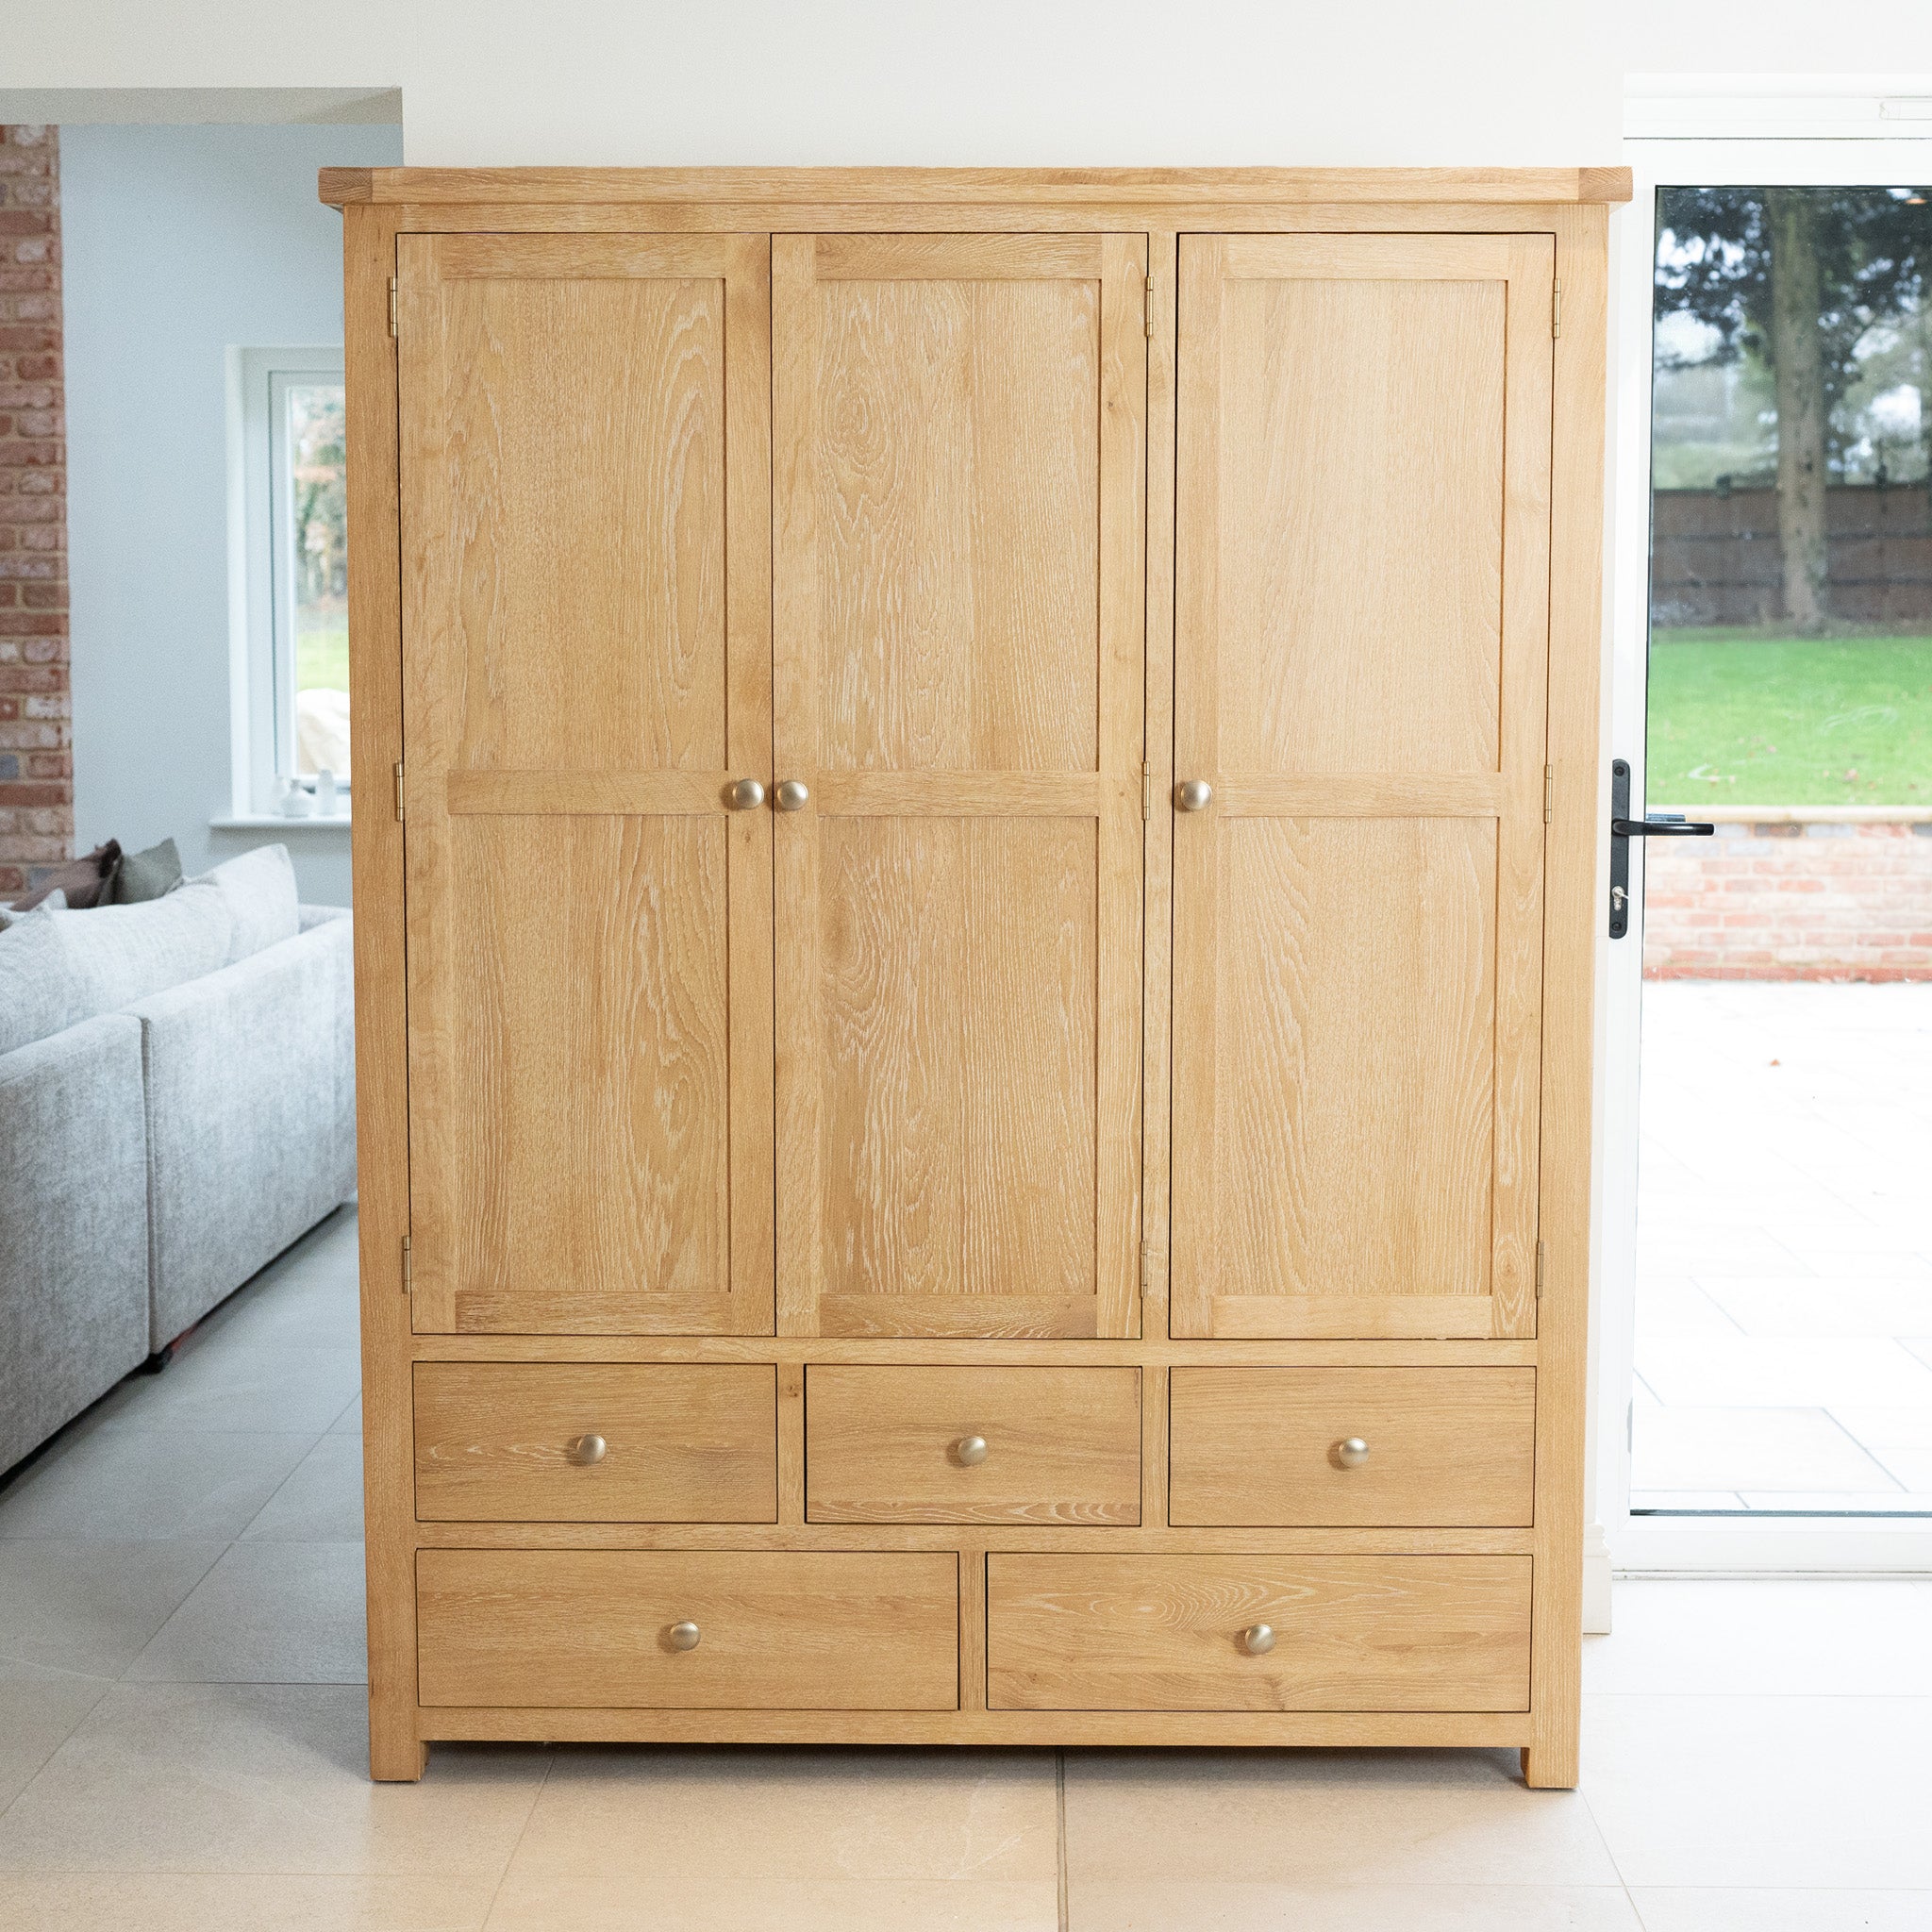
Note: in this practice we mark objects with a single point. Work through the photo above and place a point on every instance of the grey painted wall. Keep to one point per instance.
(178, 241)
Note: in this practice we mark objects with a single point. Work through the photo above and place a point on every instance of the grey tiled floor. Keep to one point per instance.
(1783, 1310)
(182, 1744)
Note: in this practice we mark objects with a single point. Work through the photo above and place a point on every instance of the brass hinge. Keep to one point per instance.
(1549, 793)
(392, 305)
(409, 1269)
(1555, 309)
(1148, 782)
(1149, 1264)
(1541, 1255)
(1150, 306)
(399, 790)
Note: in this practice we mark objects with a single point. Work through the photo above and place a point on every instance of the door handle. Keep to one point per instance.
(1663, 825)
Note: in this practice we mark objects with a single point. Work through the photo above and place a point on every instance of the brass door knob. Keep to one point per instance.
(682, 1636)
(1350, 1452)
(586, 1449)
(969, 1450)
(1258, 1639)
(746, 796)
(1192, 795)
(795, 794)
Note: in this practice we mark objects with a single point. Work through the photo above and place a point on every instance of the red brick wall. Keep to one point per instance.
(36, 743)
(1790, 902)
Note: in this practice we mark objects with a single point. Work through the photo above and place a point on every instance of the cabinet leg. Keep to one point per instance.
(1550, 1767)
(397, 1753)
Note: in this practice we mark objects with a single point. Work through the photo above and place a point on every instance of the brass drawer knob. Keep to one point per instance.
(746, 796)
(1258, 1639)
(794, 795)
(1192, 794)
(1350, 1452)
(969, 1450)
(586, 1449)
(682, 1636)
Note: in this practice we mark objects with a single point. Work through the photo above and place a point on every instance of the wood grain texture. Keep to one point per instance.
(778, 1631)
(1063, 1445)
(959, 429)
(684, 1443)
(382, 1074)
(876, 189)
(584, 448)
(1446, 1446)
(1160, 1633)
(1363, 535)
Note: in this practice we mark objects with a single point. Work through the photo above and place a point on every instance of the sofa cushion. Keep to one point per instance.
(258, 888)
(85, 880)
(124, 952)
(143, 875)
(55, 901)
(44, 990)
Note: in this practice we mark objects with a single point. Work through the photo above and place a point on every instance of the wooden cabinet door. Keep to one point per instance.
(959, 442)
(1361, 633)
(586, 670)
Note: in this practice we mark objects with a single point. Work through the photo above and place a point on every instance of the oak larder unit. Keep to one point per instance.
(973, 1023)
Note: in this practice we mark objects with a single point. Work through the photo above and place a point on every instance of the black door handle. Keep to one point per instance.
(1663, 825)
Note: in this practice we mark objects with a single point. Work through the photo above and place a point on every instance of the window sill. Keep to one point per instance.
(274, 821)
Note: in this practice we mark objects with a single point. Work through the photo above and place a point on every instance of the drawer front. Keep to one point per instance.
(774, 1630)
(904, 1445)
(681, 1444)
(1167, 1633)
(1343, 1447)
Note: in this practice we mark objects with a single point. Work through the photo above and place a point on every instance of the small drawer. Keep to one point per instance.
(688, 1630)
(1332, 1448)
(972, 1445)
(1258, 1633)
(595, 1443)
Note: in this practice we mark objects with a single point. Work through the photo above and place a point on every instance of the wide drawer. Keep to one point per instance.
(773, 1630)
(972, 1445)
(1338, 1447)
(1185, 1633)
(505, 1441)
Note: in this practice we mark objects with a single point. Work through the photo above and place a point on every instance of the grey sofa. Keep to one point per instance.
(178, 1104)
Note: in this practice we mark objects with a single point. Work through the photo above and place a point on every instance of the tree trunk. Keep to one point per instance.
(1796, 299)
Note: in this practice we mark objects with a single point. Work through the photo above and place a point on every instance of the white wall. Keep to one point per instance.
(178, 241)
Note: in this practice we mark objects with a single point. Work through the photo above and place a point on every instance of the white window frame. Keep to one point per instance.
(261, 584)
(1712, 131)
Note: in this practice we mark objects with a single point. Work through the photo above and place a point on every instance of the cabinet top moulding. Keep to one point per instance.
(1114, 187)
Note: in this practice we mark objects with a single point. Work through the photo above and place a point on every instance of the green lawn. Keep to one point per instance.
(1744, 718)
(322, 658)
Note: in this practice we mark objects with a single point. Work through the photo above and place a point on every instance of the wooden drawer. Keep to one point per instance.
(777, 1630)
(883, 1445)
(1454, 1447)
(682, 1444)
(1165, 1633)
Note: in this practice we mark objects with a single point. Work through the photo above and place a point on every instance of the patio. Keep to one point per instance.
(1784, 1299)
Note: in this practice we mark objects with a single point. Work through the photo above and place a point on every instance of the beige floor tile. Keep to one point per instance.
(1833, 1502)
(1832, 1305)
(93, 1607)
(1210, 1906)
(1747, 1448)
(350, 1422)
(529, 1903)
(1675, 1305)
(1764, 1636)
(253, 1902)
(1783, 1372)
(757, 1815)
(237, 1388)
(118, 1485)
(1705, 1911)
(321, 1500)
(267, 1613)
(313, 1309)
(1818, 1792)
(260, 1778)
(1701, 1501)
(1913, 1469)
(1322, 1819)
(39, 1710)
(1880, 1429)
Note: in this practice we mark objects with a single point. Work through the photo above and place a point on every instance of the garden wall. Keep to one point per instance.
(1823, 894)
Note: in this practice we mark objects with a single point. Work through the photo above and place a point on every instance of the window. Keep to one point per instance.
(288, 579)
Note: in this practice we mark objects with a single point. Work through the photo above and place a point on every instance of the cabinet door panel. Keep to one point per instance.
(1360, 660)
(959, 426)
(585, 440)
